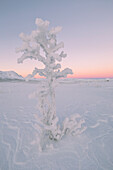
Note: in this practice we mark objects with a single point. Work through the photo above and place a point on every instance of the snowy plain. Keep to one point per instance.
(92, 150)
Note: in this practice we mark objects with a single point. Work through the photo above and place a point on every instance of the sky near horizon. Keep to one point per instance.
(87, 34)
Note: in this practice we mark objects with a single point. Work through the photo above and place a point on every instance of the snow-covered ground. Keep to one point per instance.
(92, 150)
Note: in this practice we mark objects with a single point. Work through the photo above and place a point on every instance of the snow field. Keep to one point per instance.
(93, 149)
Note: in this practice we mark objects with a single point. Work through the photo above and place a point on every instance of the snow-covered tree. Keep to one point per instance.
(42, 45)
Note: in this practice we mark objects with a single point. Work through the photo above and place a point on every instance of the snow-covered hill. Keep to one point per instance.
(10, 75)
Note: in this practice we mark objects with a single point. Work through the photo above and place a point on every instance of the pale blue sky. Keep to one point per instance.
(87, 33)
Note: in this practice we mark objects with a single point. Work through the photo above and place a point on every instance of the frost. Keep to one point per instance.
(44, 39)
(55, 30)
(42, 25)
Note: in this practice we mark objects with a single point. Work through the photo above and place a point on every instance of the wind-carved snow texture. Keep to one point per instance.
(93, 149)
(47, 124)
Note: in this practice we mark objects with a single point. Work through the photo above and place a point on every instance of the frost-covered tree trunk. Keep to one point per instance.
(44, 39)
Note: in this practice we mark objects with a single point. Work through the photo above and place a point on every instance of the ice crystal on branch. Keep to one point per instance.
(42, 45)
(44, 39)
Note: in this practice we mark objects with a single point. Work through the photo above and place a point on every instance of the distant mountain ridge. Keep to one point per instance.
(10, 75)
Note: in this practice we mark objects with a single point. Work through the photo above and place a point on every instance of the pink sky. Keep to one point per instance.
(87, 34)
